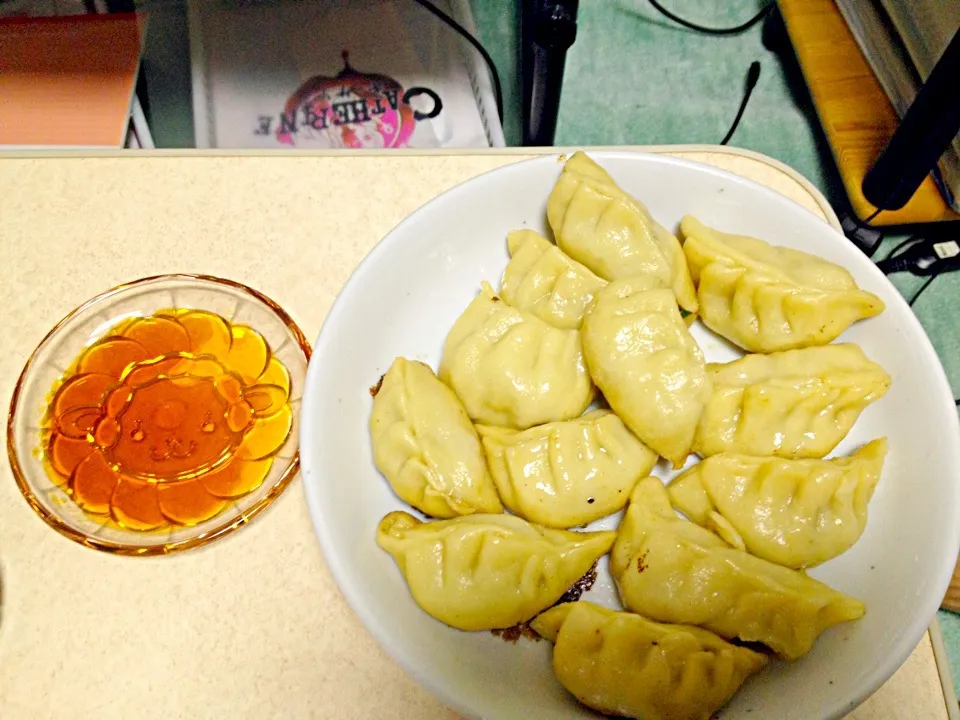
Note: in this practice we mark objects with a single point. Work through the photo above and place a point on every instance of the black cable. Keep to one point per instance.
(465, 34)
(923, 287)
(715, 31)
(866, 238)
(873, 215)
(897, 261)
(901, 246)
(925, 257)
(753, 75)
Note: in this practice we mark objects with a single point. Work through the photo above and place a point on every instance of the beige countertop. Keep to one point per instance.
(252, 625)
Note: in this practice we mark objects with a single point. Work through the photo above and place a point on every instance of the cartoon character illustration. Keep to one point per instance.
(168, 418)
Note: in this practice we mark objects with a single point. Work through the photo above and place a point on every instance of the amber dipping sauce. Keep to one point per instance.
(167, 419)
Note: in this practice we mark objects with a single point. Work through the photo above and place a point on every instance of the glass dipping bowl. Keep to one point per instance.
(28, 432)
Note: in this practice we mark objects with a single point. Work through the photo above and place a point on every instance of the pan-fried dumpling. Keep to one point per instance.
(511, 369)
(793, 404)
(798, 513)
(483, 572)
(622, 664)
(542, 280)
(766, 298)
(426, 446)
(601, 226)
(642, 357)
(672, 570)
(569, 473)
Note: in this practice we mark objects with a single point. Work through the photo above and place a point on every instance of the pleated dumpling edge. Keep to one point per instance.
(767, 298)
(641, 355)
(793, 404)
(510, 368)
(425, 445)
(601, 226)
(566, 474)
(623, 664)
(796, 513)
(485, 572)
(541, 279)
(672, 570)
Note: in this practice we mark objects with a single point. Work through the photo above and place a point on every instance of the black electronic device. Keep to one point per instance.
(926, 130)
(548, 28)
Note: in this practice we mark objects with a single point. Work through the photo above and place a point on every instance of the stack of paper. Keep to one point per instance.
(926, 27)
(902, 42)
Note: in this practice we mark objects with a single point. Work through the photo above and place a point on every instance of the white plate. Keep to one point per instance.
(404, 298)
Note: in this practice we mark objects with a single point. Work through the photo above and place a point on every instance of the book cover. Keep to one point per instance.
(59, 86)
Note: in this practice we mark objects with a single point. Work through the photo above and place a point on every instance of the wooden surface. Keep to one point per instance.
(251, 626)
(856, 114)
(952, 599)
